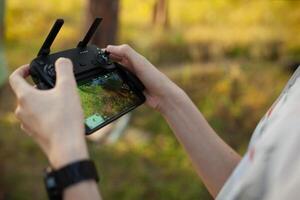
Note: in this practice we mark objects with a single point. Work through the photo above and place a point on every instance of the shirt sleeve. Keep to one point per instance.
(283, 181)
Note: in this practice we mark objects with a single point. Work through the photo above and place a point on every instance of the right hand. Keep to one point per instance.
(159, 88)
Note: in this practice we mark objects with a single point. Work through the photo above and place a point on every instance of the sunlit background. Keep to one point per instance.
(231, 56)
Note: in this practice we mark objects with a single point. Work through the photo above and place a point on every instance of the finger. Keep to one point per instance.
(116, 58)
(21, 115)
(26, 129)
(113, 56)
(121, 50)
(18, 81)
(18, 113)
(132, 58)
(64, 73)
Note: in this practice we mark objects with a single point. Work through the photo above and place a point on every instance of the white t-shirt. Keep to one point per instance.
(270, 170)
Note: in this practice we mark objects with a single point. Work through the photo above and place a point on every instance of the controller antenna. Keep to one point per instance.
(45, 49)
(90, 33)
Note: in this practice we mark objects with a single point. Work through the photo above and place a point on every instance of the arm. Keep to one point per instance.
(54, 119)
(213, 159)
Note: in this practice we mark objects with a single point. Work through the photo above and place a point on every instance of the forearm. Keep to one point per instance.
(61, 133)
(84, 190)
(213, 159)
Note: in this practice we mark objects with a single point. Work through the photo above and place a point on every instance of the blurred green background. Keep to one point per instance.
(231, 56)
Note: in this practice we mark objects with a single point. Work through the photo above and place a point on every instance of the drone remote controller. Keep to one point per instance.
(88, 61)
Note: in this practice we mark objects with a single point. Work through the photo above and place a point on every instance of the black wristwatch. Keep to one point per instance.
(56, 181)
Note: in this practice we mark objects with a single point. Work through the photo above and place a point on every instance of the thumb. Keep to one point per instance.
(64, 73)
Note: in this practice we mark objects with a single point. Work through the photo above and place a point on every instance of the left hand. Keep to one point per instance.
(54, 118)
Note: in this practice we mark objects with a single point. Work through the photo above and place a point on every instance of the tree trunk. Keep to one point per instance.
(161, 14)
(109, 11)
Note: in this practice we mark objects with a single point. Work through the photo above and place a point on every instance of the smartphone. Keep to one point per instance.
(106, 97)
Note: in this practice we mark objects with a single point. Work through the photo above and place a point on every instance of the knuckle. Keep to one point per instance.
(18, 112)
(125, 47)
(22, 97)
(22, 127)
(11, 78)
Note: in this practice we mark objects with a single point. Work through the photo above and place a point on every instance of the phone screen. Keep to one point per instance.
(104, 97)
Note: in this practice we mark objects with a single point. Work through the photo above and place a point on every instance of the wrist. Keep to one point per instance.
(64, 152)
(172, 99)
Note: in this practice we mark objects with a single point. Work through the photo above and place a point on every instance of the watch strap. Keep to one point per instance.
(57, 181)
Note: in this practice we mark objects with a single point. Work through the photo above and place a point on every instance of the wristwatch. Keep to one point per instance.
(56, 181)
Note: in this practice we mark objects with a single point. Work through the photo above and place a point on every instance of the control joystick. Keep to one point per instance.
(50, 70)
(103, 59)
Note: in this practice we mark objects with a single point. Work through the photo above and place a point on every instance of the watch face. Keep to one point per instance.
(50, 182)
(53, 190)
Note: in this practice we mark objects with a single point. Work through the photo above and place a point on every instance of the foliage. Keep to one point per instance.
(199, 30)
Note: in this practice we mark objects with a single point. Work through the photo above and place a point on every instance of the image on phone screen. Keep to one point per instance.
(105, 97)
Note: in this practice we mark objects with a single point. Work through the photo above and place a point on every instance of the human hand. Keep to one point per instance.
(159, 88)
(54, 118)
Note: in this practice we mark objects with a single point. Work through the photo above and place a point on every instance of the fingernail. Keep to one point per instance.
(65, 61)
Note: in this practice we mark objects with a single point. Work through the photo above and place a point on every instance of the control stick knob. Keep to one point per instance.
(103, 59)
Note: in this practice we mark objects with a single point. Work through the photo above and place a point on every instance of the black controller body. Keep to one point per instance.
(88, 61)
